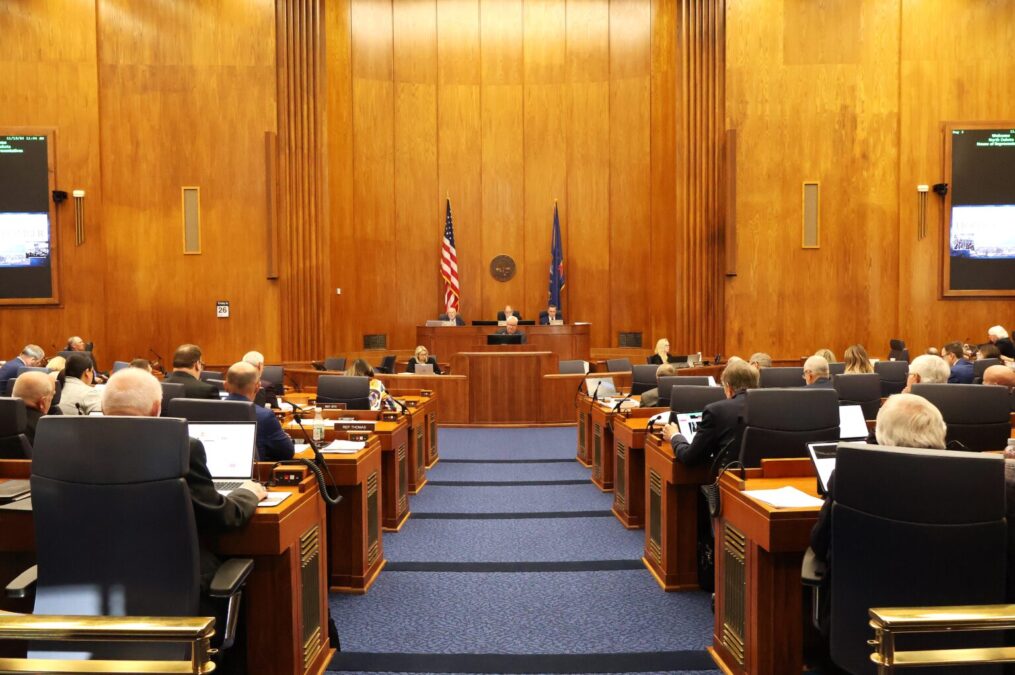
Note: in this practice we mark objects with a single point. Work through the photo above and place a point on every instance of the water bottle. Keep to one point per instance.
(318, 425)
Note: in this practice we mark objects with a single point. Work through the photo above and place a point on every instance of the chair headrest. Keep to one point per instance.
(967, 403)
(343, 386)
(866, 384)
(208, 410)
(792, 409)
(897, 344)
(892, 370)
(110, 450)
(13, 417)
(174, 389)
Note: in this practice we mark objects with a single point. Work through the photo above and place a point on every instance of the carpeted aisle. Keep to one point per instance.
(513, 563)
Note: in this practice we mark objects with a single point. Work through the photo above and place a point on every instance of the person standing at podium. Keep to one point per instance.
(510, 327)
(452, 317)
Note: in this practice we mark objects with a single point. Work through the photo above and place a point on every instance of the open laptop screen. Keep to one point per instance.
(823, 456)
(688, 423)
(600, 386)
(851, 423)
(229, 447)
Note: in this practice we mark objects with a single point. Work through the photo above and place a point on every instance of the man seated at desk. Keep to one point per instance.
(187, 367)
(816, 372)
(273, 445)
(551, 315)
(510, 327)
(36, 390)
(452, 317)
(31, 356)
(134, 393)
(422, 357)
(507, 313)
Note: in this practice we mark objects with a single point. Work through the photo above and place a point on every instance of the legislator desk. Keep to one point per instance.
(583, 409)
(759, 617)
(629, 466)
(568, 341)
(671, 512)
(422, 404)
(603, 417)
(285, 601)
(392, 430)
(355, 545)
(504, 383)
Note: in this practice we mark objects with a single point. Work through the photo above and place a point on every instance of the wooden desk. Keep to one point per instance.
(583, 406)
(602, 447)
(567, 342)
(759, 617)
(426, 405)
(285, 600)
(671, 508)
(504, 385)
(629, 466)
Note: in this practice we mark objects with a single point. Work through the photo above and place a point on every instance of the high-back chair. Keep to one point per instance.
(897, 350)
(781, 422)
(688, 399)
(836, 368)
(274, 376)
(208, 410)
(211, 375)
(351, 390)
(334, 363)
(978, 416)
(782, 376)
(667, 382)
(980, 365)
(13, 423)
(618, 365)
(643, 378)
(571, 367)
(171, 390)
(387, 364)
(893, 376)
(862, 389)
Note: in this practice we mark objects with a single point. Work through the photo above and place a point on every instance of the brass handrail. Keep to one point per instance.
(197, 631)
(889, 622)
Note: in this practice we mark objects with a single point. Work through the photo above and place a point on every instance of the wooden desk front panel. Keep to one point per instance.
(629, 467)
(505, 386)
(583, 409)
(602, 448)
(567, 342)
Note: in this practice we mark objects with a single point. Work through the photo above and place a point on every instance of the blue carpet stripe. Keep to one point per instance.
(518, 567)
(638, 662)
(508, 461)
(556, 443)
(505, 483)
(510, 472)
(531, 515)
(523, 499)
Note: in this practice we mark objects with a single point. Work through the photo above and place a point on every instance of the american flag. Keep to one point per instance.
(449, 264)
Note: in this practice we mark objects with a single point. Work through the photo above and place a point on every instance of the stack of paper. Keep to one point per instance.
(274, 499)
(785, 498)
(344, 447)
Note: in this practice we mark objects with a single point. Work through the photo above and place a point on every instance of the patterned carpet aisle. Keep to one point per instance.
(513, 563)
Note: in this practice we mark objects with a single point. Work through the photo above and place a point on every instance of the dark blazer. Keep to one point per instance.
(821, 383)
(1005, 346)
(9, 371)
(273, 444)
(821, 544)
(459, 321)
(544, 318)
(432, 360)
(501, 317)
(503, 331)
(33, 415)
(721, 428)
(193, 387)
(656, 360)
(962, 372)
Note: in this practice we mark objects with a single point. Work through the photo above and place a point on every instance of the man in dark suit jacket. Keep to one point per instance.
(273, 444)
(816, 373)
(31, 356)
(187, 367)
(962, 368)
(36, 390)
(452, 315)
(551, 314)
(510, 327)
(507, 312)
(133, 392)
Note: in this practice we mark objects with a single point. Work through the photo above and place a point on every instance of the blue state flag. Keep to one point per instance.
(556, 263)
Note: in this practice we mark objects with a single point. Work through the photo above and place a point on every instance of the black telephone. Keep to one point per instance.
(314, 466)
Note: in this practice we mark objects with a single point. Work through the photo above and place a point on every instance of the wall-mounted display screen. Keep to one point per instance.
(980, 210)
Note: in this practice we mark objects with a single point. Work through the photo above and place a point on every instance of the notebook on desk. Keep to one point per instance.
(229, 448)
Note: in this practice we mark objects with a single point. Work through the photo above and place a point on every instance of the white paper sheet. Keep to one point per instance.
(785, 498)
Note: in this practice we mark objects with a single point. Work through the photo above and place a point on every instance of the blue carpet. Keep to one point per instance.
(548, 443)
(503, 472)
(440, 499)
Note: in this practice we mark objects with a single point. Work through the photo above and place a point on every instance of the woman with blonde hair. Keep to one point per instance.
(379, 396)
(422, 357)
(827, 354)
(662, 353)
(857, 361)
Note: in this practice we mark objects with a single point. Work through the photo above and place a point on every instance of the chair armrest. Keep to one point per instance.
(812, 571)
(23, 584)
(230, 576)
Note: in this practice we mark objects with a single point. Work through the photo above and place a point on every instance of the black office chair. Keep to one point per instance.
(207, 410)
(211, 375)
(862, 389)
(667, 382)
(913, 528)
(387, 365)
(643, 379)
(118, 366)
(572, 367)
(171, 390)
(893, 376)
(836, 368)
(980, 366)
(782, 376)
(502, 317)
(351, 390)
(618, 365)
(688, 399)
(13, 422)
(334, 363)
(978, 416)
(219, 384)
(274, 376)
(31, 369)
(897, 351)
(781, 422)
(114, 529)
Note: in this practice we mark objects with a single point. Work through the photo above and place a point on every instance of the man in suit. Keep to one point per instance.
(36, 390)
(187, 367)
(816, 372)
(273, 445)
(510, 327)
(133, 392)
(549, 316)
(961, 367)
(650, 398)
(31, 357)
(507, 313)
(926, 369)
(452, 316)
(720, 429)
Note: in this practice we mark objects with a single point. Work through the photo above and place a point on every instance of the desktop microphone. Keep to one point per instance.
(405, 410)
(619, 403)
(595, 394)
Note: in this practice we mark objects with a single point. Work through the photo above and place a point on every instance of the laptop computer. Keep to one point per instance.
(434, 323)
(823, 456)
(423, 369)
(852, 426)
(504, 339)
(229, 447)
(688, 423)
(600, 386)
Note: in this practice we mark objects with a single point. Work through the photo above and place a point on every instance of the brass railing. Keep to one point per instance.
(890, 622)
(196, 631)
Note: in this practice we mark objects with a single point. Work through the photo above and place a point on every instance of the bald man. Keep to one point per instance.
(36, 390)
(999, 376)
(243, 382)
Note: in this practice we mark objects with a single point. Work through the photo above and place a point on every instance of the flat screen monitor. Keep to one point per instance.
(504, 339)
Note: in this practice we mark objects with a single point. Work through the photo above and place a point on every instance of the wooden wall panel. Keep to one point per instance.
(49, 79)
(502, 172)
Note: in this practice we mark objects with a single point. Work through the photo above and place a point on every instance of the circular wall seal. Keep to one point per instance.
(502, 268)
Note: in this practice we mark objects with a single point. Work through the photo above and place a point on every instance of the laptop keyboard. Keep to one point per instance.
(228, 484)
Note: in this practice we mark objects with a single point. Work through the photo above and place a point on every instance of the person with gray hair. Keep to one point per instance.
(999, 336)
(243, 382)
(760, 360)
(816, 372)
(37, 391)
(927, 369)
(76, 344)
(510, 327)
(31, 357)
(910, 421)
(256, 359)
